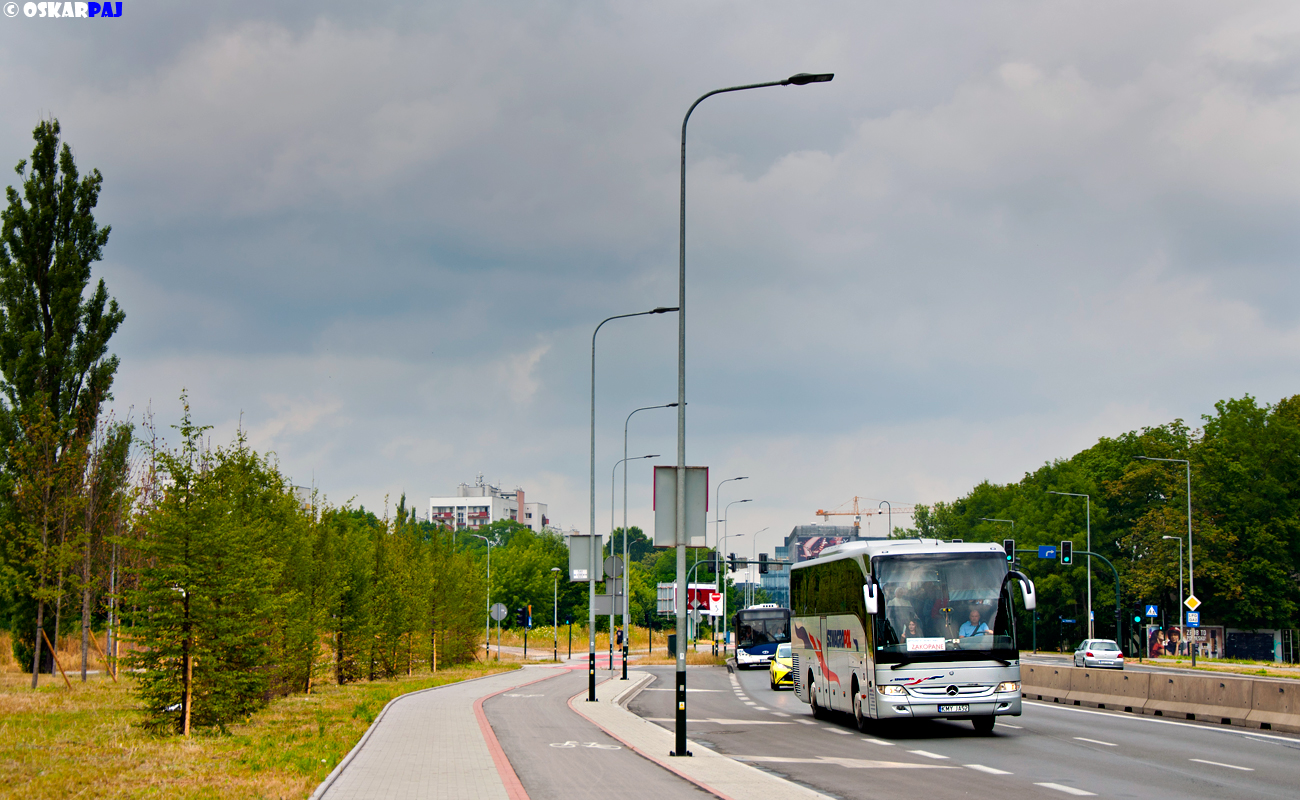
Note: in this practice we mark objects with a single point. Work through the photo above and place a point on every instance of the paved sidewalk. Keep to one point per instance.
(718, 774)
(428, 745)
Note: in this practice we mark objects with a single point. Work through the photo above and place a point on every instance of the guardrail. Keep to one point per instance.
(1230, 700)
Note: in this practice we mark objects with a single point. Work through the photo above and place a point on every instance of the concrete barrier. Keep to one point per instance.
(1275, 705)
(1045, 682)
(1107, 688)
(1204, 697)
(1225, 699)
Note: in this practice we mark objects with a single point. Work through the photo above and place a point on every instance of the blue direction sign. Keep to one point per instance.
(1152, 611)
(1067, 620)
(1193, 619)
(1047, 551)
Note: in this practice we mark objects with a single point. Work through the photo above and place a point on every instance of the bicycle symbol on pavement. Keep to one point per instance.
(592, 745)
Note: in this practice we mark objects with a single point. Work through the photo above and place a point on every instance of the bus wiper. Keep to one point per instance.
(901, 664)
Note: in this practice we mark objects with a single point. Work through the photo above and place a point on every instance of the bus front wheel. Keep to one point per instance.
(859, 717)
(984, 724)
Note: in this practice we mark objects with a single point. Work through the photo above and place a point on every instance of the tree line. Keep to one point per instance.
(1245, 519)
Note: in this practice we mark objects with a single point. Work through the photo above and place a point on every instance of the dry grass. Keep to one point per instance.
(88, 742)
(69, 654)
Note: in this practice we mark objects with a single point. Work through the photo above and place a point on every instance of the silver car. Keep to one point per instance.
(1099, 653)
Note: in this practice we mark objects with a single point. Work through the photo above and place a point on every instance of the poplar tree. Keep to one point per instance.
(54, 337)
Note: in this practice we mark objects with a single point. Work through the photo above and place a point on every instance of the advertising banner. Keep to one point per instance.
(808, 547)
(1172, 641)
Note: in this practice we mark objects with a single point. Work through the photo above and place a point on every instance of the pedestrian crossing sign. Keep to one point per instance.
(1152, 611)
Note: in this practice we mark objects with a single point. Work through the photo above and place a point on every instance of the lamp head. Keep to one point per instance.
(671, 405)
(804, 78)
(663, 310)
(1179, 538)
(656, 455)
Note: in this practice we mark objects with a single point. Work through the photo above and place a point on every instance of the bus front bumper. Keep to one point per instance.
(905, 707)
(744, 659)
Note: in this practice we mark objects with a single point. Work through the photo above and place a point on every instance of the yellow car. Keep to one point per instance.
(779, 669)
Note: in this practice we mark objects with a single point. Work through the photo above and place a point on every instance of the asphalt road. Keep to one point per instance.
(1051, 751)
(1133, 665)
(558, 754)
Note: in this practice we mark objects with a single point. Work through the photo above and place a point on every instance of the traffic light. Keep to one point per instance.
(762, 563)
(1137, 615)
(521, 618)
(1009, 547)
(731, 562)
(1067, 553)
(530, 615)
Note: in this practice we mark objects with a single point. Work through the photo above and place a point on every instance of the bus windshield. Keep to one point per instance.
(942, 607)
(762, 626)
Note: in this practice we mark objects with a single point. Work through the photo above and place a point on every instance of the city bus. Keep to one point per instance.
(907, 629)
(759, 629)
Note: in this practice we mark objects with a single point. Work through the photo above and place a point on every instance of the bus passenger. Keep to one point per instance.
(913, 630)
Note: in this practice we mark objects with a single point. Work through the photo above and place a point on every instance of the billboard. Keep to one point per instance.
(807, 547)
(1171, 641)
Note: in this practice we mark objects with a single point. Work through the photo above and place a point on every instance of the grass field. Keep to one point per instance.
(88, 742)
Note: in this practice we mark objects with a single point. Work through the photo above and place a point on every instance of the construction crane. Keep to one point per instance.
(856, 512)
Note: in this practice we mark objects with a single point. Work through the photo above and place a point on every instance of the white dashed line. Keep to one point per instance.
(1067, 789)
(750, 703)
(761, 708)
(837, 730)
(989, 770)
(805, 722)
(927, 754)
(1009, 725)
(780, 713)
(1221, 764)
(878, 741)
(1095, 741)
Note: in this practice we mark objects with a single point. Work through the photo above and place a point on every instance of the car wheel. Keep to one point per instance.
(818, 711)
(771, 682)
(984, 724)
(862, 720)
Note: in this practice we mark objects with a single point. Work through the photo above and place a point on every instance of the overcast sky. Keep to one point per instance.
(381, 234)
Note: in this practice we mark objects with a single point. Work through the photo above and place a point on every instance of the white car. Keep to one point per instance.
(1099, 653)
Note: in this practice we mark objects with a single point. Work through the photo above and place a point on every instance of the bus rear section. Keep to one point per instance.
(759, 629)
(908, 629)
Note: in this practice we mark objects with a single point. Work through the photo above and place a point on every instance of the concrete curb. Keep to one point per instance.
(717, 774)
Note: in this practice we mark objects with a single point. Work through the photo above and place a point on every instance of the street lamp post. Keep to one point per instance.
(591, 571)
(724, 583)
(627, 593)
(1182, 622)
(613, 607)
(487, 624)
(753, 575)
(1191, 579)
(680, 694)
(1089, 548)
(890, 509)
(555, 612)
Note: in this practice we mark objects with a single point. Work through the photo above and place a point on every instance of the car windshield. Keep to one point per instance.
(783, 651)
(939, 607)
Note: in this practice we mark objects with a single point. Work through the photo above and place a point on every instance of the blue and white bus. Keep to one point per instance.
(908, 628)
(759, 629)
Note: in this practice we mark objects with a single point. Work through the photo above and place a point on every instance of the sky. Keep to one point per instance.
(378, 236)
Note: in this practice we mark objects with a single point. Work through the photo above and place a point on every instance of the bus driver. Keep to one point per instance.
(973, 627)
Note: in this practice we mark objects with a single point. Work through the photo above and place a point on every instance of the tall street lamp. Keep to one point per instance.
(725, 528)
(613, 608)
(679, 749)
(555, 612)
(890, 509)
(487, 625)
(753, 574)
(717, 514)
(1182, 623)
(1191, 579)
(591, 571)
(1089, 548)
(627, 593)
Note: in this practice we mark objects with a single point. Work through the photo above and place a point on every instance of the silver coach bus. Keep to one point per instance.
(907, 628)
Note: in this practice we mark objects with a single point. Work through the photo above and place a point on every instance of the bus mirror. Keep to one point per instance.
(1027, 588)
(870, 597)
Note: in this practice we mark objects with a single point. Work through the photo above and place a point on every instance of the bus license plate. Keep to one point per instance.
(954, 709)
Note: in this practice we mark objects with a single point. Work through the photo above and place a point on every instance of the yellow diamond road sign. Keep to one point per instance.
(1192, 603)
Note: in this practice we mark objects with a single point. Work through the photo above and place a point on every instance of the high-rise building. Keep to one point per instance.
(481, 504)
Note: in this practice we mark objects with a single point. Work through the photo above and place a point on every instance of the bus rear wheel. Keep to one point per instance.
(984, 724)
(817, 710)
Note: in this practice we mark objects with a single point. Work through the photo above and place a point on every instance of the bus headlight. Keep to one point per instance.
(1009, 686)
(891, 690)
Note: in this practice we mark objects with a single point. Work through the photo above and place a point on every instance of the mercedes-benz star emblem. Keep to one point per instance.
(952, 691)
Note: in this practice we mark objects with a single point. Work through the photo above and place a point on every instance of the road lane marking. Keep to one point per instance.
(805, 722)
(849, 763)
(989, 770)
(840, 732)
(750, 703)
(926, 753)
(1009, 725)
(780, 713)
(1135, 717)
(1221, 764)
(1095, 741)
(878, 741)
(1067, 789)
(760, 708)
